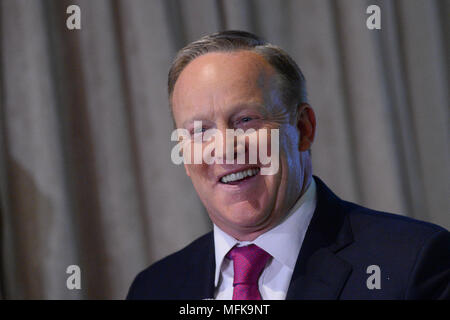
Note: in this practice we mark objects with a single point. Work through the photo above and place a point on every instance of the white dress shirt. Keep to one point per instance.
(282, 242)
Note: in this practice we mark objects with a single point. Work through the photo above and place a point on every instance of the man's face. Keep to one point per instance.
(239, 90)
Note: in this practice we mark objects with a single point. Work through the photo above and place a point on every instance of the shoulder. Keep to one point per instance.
(394, 228)
(160, 278)
(370, 226)
(413, 255)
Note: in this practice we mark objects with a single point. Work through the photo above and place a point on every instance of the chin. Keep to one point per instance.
(245, 215)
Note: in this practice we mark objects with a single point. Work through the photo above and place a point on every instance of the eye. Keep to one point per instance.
(198, 130)
(246, 119)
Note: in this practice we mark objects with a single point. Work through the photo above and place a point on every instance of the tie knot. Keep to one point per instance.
(248, 263)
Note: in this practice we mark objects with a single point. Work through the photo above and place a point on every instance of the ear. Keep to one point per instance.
(306, 123)
(187, 170)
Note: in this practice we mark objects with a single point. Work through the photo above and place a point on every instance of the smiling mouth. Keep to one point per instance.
(236, 177)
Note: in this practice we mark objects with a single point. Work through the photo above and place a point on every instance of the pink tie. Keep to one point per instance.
(248, 263)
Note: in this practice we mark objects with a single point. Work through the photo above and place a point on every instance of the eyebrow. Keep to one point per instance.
(258, 105)
(191, 120)
(233, 109)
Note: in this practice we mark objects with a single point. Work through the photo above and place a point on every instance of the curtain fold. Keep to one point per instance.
(85, 172)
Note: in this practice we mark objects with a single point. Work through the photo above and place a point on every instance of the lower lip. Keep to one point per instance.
(241, 183)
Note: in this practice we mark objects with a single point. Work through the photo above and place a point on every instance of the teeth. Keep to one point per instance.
(239, 175)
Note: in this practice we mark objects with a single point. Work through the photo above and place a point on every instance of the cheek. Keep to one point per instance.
(279, 185)
(289, 142)
(199, 173)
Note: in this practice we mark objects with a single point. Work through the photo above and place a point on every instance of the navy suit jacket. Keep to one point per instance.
(342, 241)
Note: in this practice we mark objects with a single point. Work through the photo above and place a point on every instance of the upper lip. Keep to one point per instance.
(236, 170)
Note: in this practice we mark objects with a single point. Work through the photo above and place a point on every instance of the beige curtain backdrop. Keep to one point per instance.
(85, 172)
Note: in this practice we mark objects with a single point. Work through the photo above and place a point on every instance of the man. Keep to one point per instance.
(283, 235)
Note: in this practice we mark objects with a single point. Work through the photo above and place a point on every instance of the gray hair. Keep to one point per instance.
(292, 81)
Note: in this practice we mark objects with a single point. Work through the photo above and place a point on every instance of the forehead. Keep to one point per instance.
(220, 78)
(221, 65)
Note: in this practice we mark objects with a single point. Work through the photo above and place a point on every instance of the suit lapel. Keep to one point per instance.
(319, 273)
(199, 280)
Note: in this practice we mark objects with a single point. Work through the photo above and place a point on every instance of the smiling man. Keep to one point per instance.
(282, 235)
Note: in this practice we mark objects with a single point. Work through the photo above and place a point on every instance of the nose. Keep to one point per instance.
(230, 147)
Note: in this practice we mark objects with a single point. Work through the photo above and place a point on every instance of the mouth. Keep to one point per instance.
(239, 176)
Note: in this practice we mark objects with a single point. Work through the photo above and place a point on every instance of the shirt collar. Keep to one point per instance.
(283, 242)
